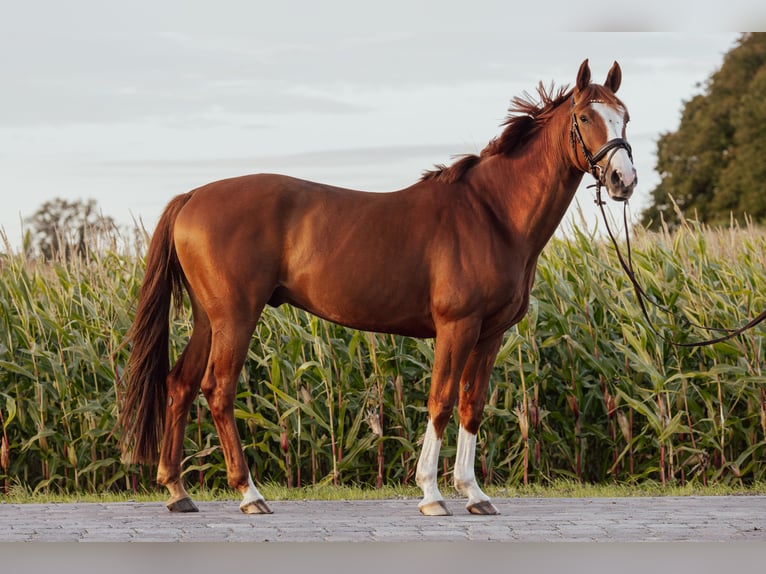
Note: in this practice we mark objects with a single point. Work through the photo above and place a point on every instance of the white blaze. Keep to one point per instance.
(614, 121)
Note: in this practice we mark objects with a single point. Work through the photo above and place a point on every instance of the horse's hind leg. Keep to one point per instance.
(473, 393)
(231, 339)
(183, 384)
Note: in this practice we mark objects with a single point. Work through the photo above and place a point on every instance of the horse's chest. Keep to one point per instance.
(509, 302)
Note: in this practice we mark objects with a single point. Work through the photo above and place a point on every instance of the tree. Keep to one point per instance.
(713, 165)
(62, 228)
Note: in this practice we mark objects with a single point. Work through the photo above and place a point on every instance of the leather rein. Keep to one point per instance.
(626, 262)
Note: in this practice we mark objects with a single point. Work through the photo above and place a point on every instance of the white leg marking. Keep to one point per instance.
(428, 465)
(251, 494)
(177, 490)
(465, 478)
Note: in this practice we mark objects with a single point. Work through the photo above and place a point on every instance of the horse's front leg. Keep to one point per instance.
(454, 342)
(473, 394)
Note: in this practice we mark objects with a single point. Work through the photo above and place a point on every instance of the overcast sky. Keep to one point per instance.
(131, 103)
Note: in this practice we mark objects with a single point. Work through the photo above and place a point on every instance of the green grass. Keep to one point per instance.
(559, 489)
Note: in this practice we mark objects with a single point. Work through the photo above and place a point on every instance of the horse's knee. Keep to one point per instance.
(471, 409)
(470, 419)
(440, 416)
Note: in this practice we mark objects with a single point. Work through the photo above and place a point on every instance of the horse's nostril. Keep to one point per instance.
(616, 177)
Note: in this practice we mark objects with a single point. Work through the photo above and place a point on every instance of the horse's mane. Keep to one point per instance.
(526, 116)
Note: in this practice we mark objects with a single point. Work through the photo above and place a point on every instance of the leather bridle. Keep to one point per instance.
(608, 150)
(641, 295)
(609, 147)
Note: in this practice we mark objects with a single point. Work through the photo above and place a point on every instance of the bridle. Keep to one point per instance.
(599, 173)
(609, 147)
(642, 296)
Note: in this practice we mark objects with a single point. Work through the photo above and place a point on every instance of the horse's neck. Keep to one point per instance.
(532, 190)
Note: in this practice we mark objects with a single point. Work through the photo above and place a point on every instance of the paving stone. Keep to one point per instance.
(720, 519)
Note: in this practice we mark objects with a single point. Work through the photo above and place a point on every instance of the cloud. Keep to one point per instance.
(338, 158)
(340, 92)
(89, 62)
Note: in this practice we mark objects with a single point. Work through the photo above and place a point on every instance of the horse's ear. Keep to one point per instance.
(583, 76)
(614, 78)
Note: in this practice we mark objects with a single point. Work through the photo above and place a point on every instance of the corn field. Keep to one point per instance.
(582, 388)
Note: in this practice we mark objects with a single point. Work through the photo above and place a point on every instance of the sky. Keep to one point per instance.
(131, 103)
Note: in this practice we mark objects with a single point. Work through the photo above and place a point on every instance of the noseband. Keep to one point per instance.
(592, 159)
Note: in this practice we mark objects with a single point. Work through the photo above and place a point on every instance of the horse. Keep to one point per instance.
(451, 257)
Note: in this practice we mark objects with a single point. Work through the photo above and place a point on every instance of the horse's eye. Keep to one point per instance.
(584, 119)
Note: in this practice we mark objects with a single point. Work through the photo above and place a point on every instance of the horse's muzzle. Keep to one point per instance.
(621, 185)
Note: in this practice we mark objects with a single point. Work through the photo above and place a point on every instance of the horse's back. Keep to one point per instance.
(356, 258)
(374, 261)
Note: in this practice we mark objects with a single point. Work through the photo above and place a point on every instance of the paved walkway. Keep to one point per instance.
(666, 519)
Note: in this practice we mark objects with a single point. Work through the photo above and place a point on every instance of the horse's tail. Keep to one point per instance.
(142, 413)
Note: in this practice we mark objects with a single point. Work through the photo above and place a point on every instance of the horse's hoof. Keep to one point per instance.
(435, 508)
(256, 507)
(182, 505)
(484, 507)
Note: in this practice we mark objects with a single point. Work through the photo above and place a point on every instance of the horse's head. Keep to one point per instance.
(598, 133)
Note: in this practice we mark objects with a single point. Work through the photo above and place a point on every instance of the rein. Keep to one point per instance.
(599, 174)
(642, 296)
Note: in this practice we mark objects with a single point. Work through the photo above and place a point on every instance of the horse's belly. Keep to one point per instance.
(368, 311)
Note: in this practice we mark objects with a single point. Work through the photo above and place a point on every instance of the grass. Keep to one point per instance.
(558, 489)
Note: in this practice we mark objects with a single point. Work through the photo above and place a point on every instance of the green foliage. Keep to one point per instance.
(582, 389)
(712, 166)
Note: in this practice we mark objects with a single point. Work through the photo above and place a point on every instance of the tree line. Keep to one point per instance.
(713, 166)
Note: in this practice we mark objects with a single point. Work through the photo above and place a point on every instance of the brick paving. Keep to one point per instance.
(665, 519)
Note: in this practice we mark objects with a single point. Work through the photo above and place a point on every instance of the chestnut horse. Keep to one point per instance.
(452, 257)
